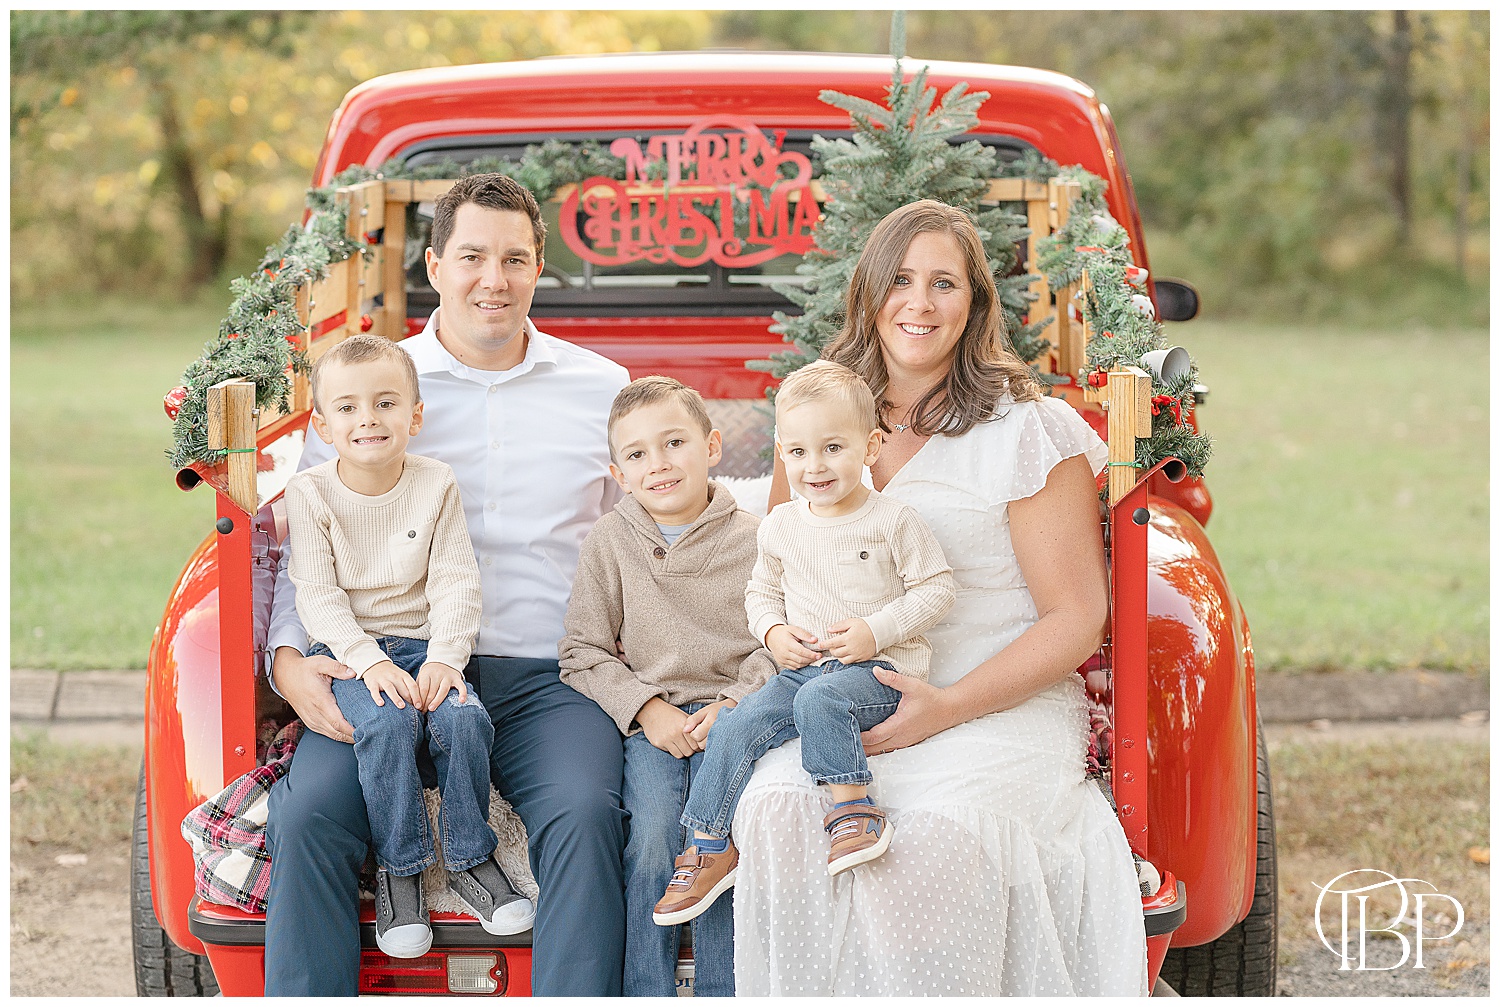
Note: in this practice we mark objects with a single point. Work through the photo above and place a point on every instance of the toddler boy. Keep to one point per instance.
(846, 579)
(387, 584)
(664, 574)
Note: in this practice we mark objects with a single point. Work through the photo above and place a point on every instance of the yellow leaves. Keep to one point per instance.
(127, 76)
(226, 187)
(148, 171)
(282, 121)
(1479, 854)
(69, 96)
(104, 190)
(203, 109)
(239, 104)
(417, 37)
(264, 155)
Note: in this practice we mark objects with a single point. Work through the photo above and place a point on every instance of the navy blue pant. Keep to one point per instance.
(557, 759)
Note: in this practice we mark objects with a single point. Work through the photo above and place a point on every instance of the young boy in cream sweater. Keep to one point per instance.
(664, 574)
(847, 571)
(387, 584)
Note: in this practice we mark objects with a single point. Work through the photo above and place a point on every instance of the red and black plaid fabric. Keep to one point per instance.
(228, 831)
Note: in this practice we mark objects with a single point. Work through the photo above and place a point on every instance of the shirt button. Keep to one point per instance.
(490, 505)
(489, 561)
(494, 445)
(494, 389)
(486, 624)
(659, 552)
(864, 555)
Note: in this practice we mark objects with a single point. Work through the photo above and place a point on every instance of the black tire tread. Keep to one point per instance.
(162, 969)
(1242, 962)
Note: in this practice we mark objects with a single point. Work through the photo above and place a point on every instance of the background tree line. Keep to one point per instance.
(1289, 163)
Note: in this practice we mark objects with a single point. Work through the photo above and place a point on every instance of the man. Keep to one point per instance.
(520, 416)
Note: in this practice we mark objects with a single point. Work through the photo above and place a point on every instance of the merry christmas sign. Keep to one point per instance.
(688, 217)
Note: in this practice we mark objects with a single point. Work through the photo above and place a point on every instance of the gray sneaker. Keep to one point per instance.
(488, 896)
(402, 927)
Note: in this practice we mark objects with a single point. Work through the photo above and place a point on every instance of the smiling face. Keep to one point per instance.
(662, 458)
(369, 413)
(486, 278)
(825, 450)
(926, 310)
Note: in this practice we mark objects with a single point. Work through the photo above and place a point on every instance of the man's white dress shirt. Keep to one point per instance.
(530, 452)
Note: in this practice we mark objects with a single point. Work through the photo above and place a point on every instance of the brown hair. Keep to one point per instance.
(650, 390)
(984, 365)
(493, 191)
(823, 381)
(360, 350)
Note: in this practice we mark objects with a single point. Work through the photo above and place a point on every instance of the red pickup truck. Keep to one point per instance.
(1175, 678)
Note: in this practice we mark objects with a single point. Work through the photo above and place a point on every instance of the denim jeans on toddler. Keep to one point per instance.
(827, 705)
(386, 741)
(656, 786)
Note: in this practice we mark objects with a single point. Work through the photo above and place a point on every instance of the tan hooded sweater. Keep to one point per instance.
(678, 611)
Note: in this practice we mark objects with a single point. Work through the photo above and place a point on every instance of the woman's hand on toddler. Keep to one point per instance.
(699, 724)
(791, 646)
(395, 683)
(662, 724)
(433, 682)
(851, 641)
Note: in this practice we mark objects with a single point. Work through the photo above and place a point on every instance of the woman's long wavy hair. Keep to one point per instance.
(984, 365)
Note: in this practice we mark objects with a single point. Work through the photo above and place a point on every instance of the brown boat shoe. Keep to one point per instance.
(857, 834)
(699, 879)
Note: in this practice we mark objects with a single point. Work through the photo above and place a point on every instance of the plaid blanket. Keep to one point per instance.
(228, 831)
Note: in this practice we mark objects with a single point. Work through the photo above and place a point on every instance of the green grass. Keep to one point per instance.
(99, 531)
(1350, 478)
(71, 797)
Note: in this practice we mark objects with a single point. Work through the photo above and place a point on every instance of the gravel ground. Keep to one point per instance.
(57, 908)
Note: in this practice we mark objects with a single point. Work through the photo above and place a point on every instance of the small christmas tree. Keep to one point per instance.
(900, 153)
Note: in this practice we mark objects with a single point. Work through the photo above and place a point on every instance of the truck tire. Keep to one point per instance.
(162, 969)
(1243, 961)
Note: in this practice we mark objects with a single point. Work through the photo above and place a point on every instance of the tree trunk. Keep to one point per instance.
(1398, 108)
(207, 240)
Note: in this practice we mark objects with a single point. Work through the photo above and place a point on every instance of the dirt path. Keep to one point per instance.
(61, 915)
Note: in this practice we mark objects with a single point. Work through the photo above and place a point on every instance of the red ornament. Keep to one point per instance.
(173, 400)
(233, 335)
(1107, 334)
(1099, 378)
(1087, 248)
(291, 337)
(1136, 276)
(1171, 402)
(366, 323)
(369, 238)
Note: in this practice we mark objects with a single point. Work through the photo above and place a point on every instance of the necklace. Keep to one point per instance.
(901, 428)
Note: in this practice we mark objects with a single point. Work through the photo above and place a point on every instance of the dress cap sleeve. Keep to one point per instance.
(1038, 435)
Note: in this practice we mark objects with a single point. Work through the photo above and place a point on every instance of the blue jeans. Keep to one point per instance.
(656, 785)
(556, 759)
(826, 705)
(386, 740)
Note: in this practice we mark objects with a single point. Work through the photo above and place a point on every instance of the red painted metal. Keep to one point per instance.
(183, 733)
(236, 644)
(240, 970)
(1201, 716)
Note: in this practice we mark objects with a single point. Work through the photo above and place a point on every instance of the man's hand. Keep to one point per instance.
(395, 683)
(304, 682)
(924, 710)
(699, 724)
(851, 641)
(662, 723)
(791, 646)
(433, 682)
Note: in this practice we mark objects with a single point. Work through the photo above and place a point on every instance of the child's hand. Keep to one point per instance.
(433, 683)
(851, 641)
(790, 646)
(699, 724)
(395, 683)
(662, 724)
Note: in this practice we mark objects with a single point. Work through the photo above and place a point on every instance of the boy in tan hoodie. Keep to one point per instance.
(664, 574)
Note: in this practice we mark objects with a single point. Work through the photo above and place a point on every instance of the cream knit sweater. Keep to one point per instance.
(880, 564)
(678, 611)
(398, 564)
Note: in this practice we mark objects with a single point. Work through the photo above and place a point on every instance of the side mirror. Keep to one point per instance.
(1176, 300)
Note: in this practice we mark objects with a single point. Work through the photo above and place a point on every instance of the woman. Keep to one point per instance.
(1009, 873)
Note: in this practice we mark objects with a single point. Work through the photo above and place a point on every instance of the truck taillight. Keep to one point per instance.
(438, 973)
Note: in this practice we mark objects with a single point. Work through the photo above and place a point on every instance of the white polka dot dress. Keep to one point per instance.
(1009, 874)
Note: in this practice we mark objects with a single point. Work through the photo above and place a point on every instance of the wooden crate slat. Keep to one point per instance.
(366, 203)
(427, 191)
(393, 252)
(1128, 389)
(326, 297)
(231, 427)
